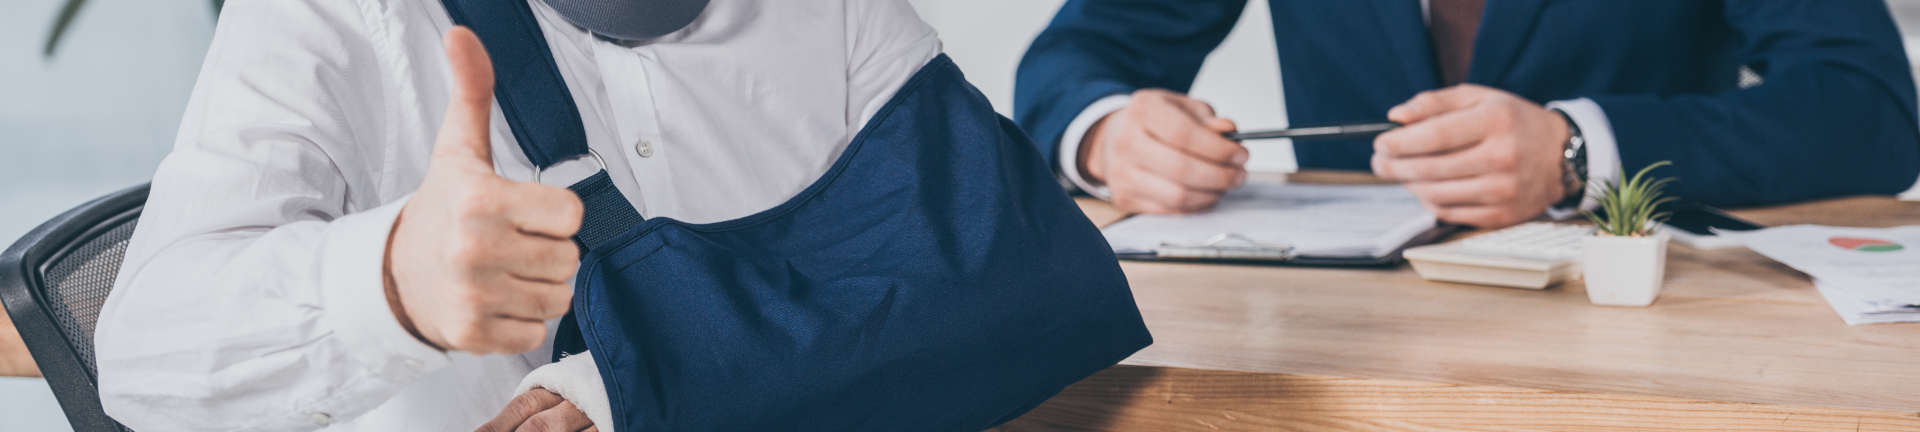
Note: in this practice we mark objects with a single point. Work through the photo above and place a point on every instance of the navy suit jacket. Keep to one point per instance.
(1835, 114)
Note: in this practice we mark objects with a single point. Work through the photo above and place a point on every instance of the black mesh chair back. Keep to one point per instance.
(54, 281)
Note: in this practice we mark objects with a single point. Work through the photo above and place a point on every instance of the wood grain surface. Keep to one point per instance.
(1734, 336)
(14, 359)
(1169, 399)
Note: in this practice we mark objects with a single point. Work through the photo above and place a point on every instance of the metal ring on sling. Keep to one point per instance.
(593, 155)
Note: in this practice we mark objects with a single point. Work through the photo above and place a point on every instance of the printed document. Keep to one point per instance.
(1867, 274)
(1312, 220)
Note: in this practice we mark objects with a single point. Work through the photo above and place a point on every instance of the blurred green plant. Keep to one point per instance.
(72, 9)
(1631, 207)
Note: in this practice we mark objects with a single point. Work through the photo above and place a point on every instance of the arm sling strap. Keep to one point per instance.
(936, 277)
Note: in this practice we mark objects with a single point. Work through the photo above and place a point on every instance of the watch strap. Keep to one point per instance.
(1573, 165)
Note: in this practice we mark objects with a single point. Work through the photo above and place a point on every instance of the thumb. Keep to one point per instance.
(1431, 103)
(1203, 112)
(463, 134)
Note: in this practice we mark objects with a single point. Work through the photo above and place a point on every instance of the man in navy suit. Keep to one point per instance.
(1511, 107)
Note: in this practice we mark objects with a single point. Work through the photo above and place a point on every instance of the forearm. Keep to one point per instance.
(1095, 49)
(1834, 115)
(262, 313)
(1073, 144)
(250, 297)
(1051, 89)
(14, 359)
(1819, 131)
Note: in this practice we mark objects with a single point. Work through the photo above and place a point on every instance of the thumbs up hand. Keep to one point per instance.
(477, 262)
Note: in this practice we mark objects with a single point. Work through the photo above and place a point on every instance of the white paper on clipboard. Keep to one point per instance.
(1311, 220)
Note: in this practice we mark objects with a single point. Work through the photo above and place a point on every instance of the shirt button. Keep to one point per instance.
(321, 419)
(414, 364)
(644, 148)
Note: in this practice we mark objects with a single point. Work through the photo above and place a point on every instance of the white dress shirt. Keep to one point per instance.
(251, 296)
(1603, 154)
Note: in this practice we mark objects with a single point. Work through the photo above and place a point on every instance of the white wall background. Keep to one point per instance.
(1241, 79)
(101, 114)
(95, 118)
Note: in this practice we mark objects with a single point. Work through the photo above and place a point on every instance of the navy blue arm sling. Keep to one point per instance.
(935, 278)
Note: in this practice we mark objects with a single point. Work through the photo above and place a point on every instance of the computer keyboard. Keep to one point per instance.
(1533, 255)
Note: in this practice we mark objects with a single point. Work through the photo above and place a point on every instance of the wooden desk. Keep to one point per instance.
(1735, 342)
(14, 360)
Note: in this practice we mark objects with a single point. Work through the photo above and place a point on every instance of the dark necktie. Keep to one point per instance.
(1453, 23)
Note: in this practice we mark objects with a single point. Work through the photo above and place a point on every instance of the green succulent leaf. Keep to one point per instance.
(71, 9)
(1631, 207)
(60, 24)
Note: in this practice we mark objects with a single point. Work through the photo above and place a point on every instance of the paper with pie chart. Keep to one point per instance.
(1867, 274)
(1865, 244)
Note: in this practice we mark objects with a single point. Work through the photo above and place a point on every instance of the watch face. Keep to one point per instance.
(1573, 166)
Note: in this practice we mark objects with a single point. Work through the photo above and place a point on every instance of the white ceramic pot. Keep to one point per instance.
(1623, 271)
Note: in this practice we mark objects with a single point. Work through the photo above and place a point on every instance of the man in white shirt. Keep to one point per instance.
(300, 266)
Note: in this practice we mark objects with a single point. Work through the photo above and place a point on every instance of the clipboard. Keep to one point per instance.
(1353, 226)
(1284, 257)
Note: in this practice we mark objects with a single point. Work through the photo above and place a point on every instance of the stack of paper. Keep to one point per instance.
(1868, 275)
(1856, 309)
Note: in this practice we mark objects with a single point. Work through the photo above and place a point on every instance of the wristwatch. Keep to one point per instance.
(1573, 165)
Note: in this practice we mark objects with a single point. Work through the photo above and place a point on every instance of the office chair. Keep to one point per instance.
(54, 281)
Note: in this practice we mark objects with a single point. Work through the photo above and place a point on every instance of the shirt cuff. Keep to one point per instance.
(1076, 131)
(575, 378)
(1603, 153)
(352, 286)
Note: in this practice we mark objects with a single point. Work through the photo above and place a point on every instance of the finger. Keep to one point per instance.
(520, 409)
(463, 133)
(1459, 164)
(1199, 110)
(531, 301)
(563, 417)
(1154, 194)
(549, 211)
(1444, 133)
(1189, 172)
(1471, 191)
(1483, 216)
(1183, 130)
(541, 259)
(1221, 125)
(591, 429)
(1140, 205)
(1434, 102)
(510, 335)
(1208, 118)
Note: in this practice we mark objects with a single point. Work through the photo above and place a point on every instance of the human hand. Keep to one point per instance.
(1475, 155)
(539, 410)
(1163, 153)
(476, 262)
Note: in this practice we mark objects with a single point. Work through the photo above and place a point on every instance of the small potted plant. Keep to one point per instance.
(1625, 259)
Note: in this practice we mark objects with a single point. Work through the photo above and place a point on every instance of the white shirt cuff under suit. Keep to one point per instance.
(1603, 153)
(1076, 131)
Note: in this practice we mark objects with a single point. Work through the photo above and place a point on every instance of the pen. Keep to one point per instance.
(1309, 133)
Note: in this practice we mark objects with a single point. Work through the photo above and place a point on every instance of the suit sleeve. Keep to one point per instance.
(1834, 115)
(1099, 48)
